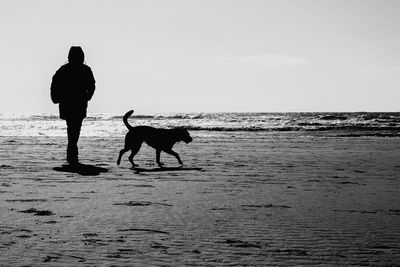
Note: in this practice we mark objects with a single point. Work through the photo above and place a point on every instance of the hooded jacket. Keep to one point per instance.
(73, 86)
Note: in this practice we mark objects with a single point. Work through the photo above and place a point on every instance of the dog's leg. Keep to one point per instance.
(131, 159)
(158, 153)
(120, 155)
(173, 153)
(134, 150)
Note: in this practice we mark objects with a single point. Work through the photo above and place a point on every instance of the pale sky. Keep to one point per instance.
(206, 56)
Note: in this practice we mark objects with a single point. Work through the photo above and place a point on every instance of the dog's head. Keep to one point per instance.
(183, 135)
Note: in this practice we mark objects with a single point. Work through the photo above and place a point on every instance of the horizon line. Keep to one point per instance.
(200, 112)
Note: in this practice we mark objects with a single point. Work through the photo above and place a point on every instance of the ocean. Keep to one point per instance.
(111, 125)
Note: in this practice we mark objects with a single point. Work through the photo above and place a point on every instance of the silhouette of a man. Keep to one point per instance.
(72, 87)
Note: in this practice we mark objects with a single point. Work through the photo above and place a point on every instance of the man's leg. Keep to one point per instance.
(73, 131)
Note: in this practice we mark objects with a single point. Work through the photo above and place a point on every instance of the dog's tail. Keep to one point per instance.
(125, 119)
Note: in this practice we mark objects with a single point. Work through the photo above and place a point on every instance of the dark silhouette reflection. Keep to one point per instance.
(72, 87)
(159, 139)
(82, 169)
(165, 169)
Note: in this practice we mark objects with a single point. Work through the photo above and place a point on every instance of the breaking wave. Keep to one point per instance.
(349, 124)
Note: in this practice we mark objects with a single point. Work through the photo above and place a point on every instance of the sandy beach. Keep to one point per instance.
(259, 199)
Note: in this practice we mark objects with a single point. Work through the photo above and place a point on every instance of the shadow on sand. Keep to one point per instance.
(165, 169)
(82, 169)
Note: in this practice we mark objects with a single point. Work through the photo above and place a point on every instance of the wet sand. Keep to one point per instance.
(247, 198)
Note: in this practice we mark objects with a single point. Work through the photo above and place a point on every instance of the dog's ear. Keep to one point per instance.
(182, 130)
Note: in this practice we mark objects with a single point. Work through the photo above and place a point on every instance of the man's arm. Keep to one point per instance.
(54, 89)
(91, 85)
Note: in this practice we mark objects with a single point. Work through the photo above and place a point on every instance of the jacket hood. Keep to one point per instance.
(76, 55)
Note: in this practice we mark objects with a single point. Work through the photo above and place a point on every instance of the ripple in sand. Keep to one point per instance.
(6, 167)
(296, 252)
(123, 253)
(134, 185)
(7, 244)
(50, 222)
(158, 246)
(15, 230)
(129, 250)
(359, 211)
(46, 185)
(94, 241)
(394, 212)
(37, 212)
(50, 258)
(266, 206)
(80, 198)
(89, 234)
(382, 247)
(27, 200)
(227, 209)
(350, 183)
(243, 244)
(140, 203)
(58, 256)
(143, 230)
(23, 236)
